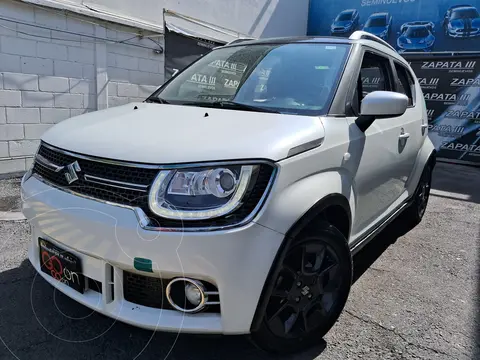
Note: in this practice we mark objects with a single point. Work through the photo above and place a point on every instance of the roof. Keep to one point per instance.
(362, 38)
(348, 11)
(463, 7)
(460, 6)
(296, 39)
(379, 14)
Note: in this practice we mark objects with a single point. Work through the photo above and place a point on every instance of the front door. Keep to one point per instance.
(375, 163)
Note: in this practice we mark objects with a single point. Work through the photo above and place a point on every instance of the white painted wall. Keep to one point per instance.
(55, 65)
(259, 18)
(58, 64)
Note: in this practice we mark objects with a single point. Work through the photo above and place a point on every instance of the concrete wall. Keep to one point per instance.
(55, 65)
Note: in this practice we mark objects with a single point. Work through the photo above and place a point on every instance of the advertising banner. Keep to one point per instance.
(408, 25)
(451, 87)
(182, 49)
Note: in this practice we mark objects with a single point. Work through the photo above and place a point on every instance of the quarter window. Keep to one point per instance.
(404, 83)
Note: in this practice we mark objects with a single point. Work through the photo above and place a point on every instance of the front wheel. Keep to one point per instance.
(309, 292)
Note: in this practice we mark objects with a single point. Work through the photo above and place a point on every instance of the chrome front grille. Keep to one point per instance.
(118, 184)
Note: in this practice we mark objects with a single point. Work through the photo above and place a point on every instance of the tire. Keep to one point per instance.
(413, 215)
(310, 290)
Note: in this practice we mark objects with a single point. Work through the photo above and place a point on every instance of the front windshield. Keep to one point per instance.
(345, 16)
(376, 22)
(469, 13)
(419, 32)
(295, 78)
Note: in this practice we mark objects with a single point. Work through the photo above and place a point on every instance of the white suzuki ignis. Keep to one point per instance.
(232, 200)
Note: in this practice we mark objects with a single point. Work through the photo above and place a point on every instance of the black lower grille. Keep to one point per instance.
(140, 177)
(145, 290)
(150, 291)
(94, 285)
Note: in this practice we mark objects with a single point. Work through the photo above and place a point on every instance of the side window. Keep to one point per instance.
(404, 84)
(375, 75)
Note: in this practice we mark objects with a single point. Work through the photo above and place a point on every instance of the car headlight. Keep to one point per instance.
(201, 193)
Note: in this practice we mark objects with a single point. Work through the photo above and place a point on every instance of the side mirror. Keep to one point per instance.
(381, 104)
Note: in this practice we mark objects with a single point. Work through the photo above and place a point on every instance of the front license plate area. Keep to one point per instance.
(61, 265)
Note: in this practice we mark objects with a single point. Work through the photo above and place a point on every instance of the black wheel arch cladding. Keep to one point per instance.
(332, 200)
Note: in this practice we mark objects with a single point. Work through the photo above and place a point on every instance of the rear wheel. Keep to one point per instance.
(309, 292)
(414, 214)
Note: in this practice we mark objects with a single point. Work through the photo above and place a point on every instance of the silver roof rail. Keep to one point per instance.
(359, 34)
(239, 41)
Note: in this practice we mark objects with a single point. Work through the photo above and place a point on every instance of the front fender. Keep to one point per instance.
(289, 201)
(423, 157)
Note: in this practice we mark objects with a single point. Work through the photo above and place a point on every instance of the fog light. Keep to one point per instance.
(187, 295)
(193, 294)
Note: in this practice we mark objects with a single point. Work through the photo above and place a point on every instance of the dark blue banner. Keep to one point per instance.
(451, 88)
(408, 25)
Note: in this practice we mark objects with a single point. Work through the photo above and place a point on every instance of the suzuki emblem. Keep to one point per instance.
(72, 170)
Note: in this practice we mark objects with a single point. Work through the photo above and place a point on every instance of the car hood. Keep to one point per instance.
(167, 134)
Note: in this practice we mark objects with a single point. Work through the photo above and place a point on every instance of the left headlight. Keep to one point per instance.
(201, 193)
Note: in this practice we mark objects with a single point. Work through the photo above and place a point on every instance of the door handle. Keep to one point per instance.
(424, 126)
(404, 136)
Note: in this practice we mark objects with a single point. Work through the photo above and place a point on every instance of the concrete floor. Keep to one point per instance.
(416, 296)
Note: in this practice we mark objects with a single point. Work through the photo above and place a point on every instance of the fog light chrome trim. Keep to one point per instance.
(204, 295)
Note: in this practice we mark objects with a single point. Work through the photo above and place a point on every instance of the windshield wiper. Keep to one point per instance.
(240, 106)
(157, 100)
(227, 104)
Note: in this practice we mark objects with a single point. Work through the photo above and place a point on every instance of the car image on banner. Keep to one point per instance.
(379, 24)
(345, 23)
(454, 24)
(462, 21)
(416, 36)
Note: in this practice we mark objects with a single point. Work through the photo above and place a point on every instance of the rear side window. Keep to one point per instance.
(404, 83)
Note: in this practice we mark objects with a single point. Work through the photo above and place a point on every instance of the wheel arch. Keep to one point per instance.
(427, 154)
(328, 208)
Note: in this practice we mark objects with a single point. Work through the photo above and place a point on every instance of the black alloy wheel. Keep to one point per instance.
(423, 192)
(309, 292)
(413, 215)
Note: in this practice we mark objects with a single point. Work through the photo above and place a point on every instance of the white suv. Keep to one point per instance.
(232, 200)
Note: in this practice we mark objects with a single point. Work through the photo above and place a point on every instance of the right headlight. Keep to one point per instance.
(201, 193)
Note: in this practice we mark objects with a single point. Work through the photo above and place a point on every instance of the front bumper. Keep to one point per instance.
(236, 261)
(412, 48)
(339, 31)
(461, 35)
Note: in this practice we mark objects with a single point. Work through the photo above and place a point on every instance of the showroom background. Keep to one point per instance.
(62, 58)
(322, 14)
(449, 74)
